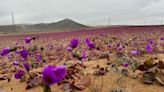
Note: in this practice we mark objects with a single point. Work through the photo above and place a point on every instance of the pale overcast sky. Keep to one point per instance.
(83, 11)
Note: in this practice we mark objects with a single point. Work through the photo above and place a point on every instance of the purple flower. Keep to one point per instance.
(148, 48)
(5, 51)
(125, 64)
(26, 66)
(53, 74)
(27, 39)
(150, 41)
(87, 40)
(120, 47)
(109, 46)
(135, 52)
(69, 49)
(24, 53)
(84, 55)
(17, 52)
(74, 43)
(90, 44)
(39, 58)
(118, 44)
(161, 38)
(19, 74)
(15, 63)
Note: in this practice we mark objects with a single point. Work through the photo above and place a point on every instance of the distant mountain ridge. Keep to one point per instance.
(63, 25)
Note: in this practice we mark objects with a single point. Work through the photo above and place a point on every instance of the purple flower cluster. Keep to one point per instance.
(151, 41)
(24, 53)
(148, 48)
(90, 44)
(74, 43)
(19, 74)
(5, 51)
(27, 39)
(53, 74)
(26, 66)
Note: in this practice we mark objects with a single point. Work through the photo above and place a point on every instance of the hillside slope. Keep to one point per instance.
(63, 25)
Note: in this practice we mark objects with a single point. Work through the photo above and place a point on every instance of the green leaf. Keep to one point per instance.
(22, 79)
(46, 88)
(149, 78)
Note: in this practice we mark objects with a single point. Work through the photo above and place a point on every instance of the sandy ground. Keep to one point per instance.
(109, 81)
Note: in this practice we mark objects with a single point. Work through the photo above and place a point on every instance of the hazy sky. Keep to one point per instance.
(83, 11)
